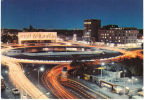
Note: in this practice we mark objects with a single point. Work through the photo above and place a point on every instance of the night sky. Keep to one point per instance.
(69, 14)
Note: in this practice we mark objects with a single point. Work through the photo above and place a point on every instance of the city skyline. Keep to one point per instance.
(72, 49)
(64, 14)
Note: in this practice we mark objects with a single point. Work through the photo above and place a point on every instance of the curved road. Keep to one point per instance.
(22, 83)
(52, 82)
(51, 77)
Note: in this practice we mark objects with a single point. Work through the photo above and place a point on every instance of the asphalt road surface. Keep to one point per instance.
(7, 92)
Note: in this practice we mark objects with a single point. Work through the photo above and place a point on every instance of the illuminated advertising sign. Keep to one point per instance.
(37, 36)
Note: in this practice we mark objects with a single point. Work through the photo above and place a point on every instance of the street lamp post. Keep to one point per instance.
(124, 81)
(101, 73)
(116, 74)
(38, 77)
(40, 70)
(102, 64)
(132, 78)
(112, 63)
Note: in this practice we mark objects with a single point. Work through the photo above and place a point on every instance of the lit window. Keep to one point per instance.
(87, 22)
(89, 30)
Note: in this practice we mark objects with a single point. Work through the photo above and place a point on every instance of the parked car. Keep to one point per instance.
(2, 83)
(136, 97)
(15, 91)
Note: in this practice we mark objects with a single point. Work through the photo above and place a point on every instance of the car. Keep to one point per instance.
(15, 91)
(2, 83)
(24, 96)
(136, 97)
(116, 80)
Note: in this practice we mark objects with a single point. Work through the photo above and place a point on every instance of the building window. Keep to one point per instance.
(87, 22)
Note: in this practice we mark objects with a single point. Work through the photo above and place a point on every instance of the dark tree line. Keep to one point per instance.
(10, 38)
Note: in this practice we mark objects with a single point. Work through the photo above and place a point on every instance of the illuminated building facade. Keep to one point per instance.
(118, 35)
(36, 37)
(91, 28)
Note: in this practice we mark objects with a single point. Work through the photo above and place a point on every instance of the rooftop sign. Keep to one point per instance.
(37, 35)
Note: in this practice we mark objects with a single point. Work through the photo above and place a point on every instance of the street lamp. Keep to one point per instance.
(6, 72)
(129, 80)
(102, 64)
(41, 69)
(23, 71)
(124, 81)
(117, 73)
(133, 79)
(112, 63)
(136, 79)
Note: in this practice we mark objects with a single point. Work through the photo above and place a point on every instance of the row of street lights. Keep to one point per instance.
(103, 66)
(24, 96)
(132, 80)
(41, 69)
(124, 71)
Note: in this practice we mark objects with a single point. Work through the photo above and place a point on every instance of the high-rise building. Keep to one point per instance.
(91, 28)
